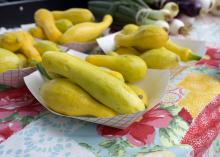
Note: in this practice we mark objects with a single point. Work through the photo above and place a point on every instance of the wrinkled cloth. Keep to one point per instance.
(168, 128)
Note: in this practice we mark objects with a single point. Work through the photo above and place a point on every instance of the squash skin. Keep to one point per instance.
(146, 37)
(86, 32)
(67, 98)
(105, 88)
(132, 67)
(8, 60)
(75, 15)
(44, 19)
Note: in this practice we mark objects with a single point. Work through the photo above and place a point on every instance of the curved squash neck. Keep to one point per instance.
(105, 23)
(57, 14)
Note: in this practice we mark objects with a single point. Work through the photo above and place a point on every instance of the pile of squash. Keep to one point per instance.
(22, 49)
(69, 26)
(19, 50)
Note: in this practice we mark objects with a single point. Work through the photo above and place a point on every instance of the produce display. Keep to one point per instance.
(106, 81)
(133, 68)
(20, 42)
(19, 50)
(120, 64)
(75, 25)
(101, 85)
(9, 60)
(151, 43)
(86, 32)
(67, 98)
(175, 16)
(109, 90)
(137, 12)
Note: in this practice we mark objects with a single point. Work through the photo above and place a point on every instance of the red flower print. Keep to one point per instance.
(13, 98)
(213, 53)
(4, 113)
(141, 132)
(16, 104)
(8, 128)
(204, 129)
(209, 63)
(18, 101)
(213, 60)
(30, 110)
(186, 115)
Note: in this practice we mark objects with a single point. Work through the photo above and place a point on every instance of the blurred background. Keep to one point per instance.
(16, 12)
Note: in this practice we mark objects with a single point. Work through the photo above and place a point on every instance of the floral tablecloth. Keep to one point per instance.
(172, 128)
(206, 28)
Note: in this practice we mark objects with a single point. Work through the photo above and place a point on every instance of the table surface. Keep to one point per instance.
(207, 28)
(162, 129)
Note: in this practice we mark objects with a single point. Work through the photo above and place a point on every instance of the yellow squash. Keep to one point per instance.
(133, 68)
(28, 48)
(160, 58)
(66, 98)
(37, 32)
(129, 28)
(22, 42)
(75, 15)
(116, 74)
(185, 53)
(105, 88)
(53, 75)
(112, 53)
(85, 32)
(8, 60)
(144, 38)
(10, 41)
(23, 60)
(63, 24)
(46, 45)
(140, 92)
(45, 20)
(127, 50)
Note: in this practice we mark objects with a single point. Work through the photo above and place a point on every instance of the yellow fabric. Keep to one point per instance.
(202, 89)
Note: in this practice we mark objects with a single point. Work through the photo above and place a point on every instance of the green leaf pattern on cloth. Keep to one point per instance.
(174, 132)
(115, 147)
(174, 110)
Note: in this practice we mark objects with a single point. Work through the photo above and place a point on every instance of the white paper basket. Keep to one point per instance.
(154, 84)
(107, 44)
(15, 78)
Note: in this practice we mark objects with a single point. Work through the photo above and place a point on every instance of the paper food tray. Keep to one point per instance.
(85, 47)
(15, 78)
(78, 46)
(154, 84)
(82, 47)
(107, 44)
